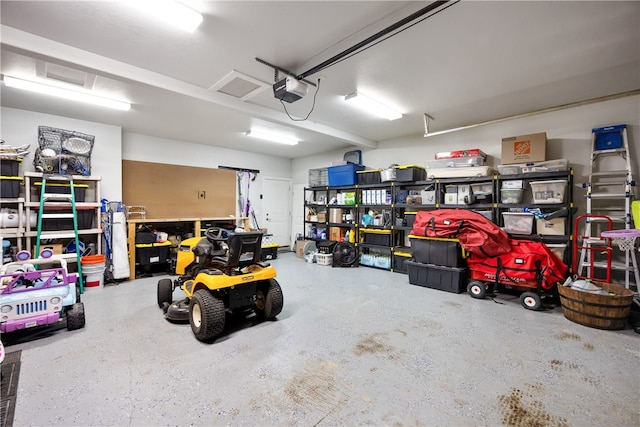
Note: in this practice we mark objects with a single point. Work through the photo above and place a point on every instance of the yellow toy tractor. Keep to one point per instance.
(220, 273)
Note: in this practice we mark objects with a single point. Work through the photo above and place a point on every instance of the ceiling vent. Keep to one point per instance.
(47, 70)
(239, 86)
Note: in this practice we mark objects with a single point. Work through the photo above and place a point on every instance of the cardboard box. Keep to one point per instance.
(335, 234)
(55, 247)
(553, 227)
(300, 247)
(451, 198)
(524, 148)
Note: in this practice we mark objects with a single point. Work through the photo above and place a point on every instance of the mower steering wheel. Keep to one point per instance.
(216, 234)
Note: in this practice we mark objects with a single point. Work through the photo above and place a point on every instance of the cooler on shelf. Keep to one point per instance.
(344, 174)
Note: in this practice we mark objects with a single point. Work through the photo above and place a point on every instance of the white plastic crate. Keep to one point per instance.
(518, 222)
(324, 259)
(318, 177)
(511, 195)
(548, 191)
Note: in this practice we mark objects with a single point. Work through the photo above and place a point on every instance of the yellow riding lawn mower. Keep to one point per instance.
(220, 273)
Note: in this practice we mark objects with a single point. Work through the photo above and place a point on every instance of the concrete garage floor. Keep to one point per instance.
(355, 346)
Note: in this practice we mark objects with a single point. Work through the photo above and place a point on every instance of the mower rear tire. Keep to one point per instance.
(269, 299)
(165, 292)
(531, 301)
(477, 289)
(206, 315)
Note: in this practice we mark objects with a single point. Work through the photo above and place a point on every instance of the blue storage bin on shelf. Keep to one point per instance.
(344, 174)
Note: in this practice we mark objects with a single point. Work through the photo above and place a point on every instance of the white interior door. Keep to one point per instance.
(276, 204)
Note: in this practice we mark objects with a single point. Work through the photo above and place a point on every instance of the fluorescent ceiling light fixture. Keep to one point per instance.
(65, 93)
(372, 106)
(170, 11)
(273, 137)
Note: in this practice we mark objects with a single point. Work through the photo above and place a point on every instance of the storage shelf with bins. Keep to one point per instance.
(397, 203)
(551, 192)
(13, 222)
(332, 210)
(378, 233)
(89, 227)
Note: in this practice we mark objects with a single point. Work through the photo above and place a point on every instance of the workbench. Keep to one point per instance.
(195, 223)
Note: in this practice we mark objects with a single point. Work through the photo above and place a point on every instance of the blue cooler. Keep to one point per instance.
(344, 174)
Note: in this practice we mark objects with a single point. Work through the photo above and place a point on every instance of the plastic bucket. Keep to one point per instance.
(93, 270)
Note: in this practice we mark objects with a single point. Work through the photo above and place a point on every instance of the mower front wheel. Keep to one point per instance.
(477, 289)
(206, 315)
(165, 292)
(531, 301)
(269, 300)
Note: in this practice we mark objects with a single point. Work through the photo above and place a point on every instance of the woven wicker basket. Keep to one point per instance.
(595, 310)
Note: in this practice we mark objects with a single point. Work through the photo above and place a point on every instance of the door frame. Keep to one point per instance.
(289, 204)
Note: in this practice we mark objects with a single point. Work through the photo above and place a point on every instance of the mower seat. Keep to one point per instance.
(245, 248)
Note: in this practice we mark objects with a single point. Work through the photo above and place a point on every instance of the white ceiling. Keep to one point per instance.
(474, 61)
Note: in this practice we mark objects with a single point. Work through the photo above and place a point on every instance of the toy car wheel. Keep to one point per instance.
(531, 300)
(165, 292)
(75, 317)
(206, 315)
(269, 299)
(477, 289)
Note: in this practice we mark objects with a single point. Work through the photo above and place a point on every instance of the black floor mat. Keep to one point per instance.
(9, 373)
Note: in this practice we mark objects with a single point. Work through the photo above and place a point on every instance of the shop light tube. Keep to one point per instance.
(61, 92)
(280, 139)
(171, 12)
(372, 106)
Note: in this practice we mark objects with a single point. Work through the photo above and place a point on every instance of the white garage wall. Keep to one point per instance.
(145, 148)
(20, 127)
(568, 134)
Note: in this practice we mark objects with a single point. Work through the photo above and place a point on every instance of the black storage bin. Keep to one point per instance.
(83, 216)
(409, 219)
(10, 167)
(10, 186)
(437, 252)
(400, 262)
(62, 188)
(153, 253)
(377, 237)
(410, 173)
(269, 252)
(326, 246)
(448, 279)
(368, 177)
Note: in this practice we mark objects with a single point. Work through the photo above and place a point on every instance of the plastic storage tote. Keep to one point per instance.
(548, 191)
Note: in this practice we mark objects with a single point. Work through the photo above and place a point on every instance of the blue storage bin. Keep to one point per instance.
(344, 174)
(608, 138)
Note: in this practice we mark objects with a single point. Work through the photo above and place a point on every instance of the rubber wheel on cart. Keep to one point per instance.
(165, 292)
(269, 299)
(206, 315)
(477, 289)
(531, 301)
